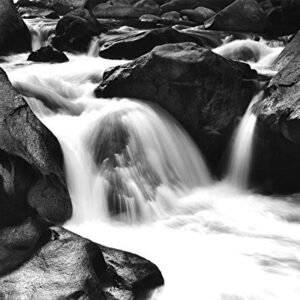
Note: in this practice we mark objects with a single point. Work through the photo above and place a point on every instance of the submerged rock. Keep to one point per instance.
(75, 31)
(48, 54)
(14, 35)
(30, 153)
(202, 90)
(241, 15)
(68, 266)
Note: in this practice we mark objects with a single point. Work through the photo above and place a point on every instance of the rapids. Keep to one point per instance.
(139, 183)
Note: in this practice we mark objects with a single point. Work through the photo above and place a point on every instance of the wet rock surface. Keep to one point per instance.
(188, 81)
(71, 267)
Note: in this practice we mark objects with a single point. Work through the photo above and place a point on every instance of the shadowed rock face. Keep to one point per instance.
(201, 89)
(278, 132)
(30, 155)
(71, 267)
(14, 35)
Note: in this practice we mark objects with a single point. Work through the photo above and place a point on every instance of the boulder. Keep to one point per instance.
(135, 44)
(29, 153)
(14, 35)
(178, 5)
(171, 15)
(68, 266)
(190, 83)
(75, 31)
(288, 53)
(241, 15)
(48, 54)
(278, 131)
(61, 7)
(198, 15)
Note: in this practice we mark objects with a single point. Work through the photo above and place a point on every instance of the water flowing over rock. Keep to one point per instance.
(71, 267)
(279, 126)
(30, 154)
(59, 6)
(48, 54)
(75, 31)
(190, 83)
(14, 35)
(241, 15)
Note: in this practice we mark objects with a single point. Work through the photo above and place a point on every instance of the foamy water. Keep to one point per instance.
(138, 183)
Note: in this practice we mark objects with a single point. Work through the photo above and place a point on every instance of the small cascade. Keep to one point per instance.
(40, 32)
(93, 50)
(124, 159)
(257, 54)
(242, 148)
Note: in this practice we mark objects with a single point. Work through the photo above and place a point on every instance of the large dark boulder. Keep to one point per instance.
(277, 162)
(14, 35)
(241, 15)
(59, 6)
(70, 267)
(135, 44)
(48, 54)
(75, 31)
(202, 90)
(30, 154)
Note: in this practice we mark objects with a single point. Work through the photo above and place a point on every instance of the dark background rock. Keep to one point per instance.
(48, 54)
(59, 6)
(71, 267)
(241, 15)
(190, 83)
(75, 31)
(14, 35)
(134, 44)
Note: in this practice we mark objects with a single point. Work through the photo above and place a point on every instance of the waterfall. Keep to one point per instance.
(138, 183)
(133, 160)
(242, 148)
(40, 31)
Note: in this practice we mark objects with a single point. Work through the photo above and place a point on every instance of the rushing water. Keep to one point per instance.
(139, 183)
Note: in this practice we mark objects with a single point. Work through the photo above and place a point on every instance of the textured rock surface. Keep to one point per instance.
(202, 90)
(278, 132)
(29, 152)
(71, 267)
(14, 35)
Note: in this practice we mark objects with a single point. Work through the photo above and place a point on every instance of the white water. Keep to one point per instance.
(242, 148)
(211, 241)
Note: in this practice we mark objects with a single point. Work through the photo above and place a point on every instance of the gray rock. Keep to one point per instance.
(201, 89)
(68, 266)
